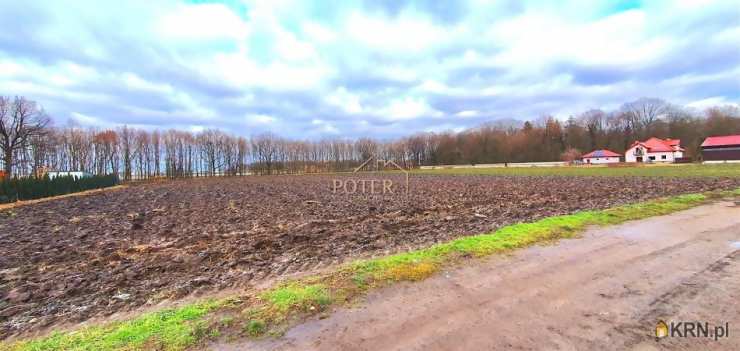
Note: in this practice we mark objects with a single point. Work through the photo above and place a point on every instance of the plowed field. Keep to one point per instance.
(78, 257)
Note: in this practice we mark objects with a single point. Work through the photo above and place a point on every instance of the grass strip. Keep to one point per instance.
(273, 310)
(170, 329)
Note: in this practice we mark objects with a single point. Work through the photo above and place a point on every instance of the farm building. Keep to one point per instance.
(721, 148)
(601, 156)
(76, 174)
(654, 150)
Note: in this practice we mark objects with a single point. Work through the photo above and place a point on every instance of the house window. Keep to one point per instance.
(663, 157)
(651, 158)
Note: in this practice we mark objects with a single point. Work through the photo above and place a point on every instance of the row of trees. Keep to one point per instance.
(30, 145)
(549, 139)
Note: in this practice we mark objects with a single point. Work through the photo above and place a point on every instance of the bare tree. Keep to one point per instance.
(594, 121)
(156, 150)
(366, 147)
(242, 154)
(416, 145)
(265, 149)
(20, 120)
(643, 113)
(126, 136)
(106, 152)
(142, 153)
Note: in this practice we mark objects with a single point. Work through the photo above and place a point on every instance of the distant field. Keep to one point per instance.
(688, 170)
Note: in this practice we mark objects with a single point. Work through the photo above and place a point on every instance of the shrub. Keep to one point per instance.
(255, 328)
(35, 188)
(570, 155)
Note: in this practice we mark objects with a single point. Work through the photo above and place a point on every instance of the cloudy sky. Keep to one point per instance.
(317, 69)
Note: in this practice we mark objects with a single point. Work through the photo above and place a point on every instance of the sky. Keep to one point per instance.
(378, 68)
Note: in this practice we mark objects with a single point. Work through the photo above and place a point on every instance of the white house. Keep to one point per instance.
(600, 157)
(654, 150)
(76, 174)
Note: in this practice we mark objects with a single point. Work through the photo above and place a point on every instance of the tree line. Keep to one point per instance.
(30, 144)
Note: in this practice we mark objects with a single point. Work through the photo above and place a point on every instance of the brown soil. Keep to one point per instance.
(605, 291)
(81, 257)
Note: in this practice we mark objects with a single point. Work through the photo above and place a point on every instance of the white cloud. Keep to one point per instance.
(202, 22)
(467, 113)
(133, 81)
(292, 49)
(347, 101)
(279, 65)
(90, 121)
(710, 102)
(9, 68)
(408, 108)
(261, 119)
(534, 39)
(325, 126)
(318, 33)
(404, 33)
(62, 74)
(240, 71)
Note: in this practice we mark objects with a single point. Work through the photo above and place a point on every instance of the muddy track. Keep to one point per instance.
(80, 257)
(604, 291)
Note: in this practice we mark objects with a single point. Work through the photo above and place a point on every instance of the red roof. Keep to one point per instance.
(601, 153)
(724, 140)
(659, 145)
(673, 142)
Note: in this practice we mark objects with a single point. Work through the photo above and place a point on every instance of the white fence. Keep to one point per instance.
(495, 165)
(721, 161)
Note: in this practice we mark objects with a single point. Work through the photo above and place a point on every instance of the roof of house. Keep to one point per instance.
(601, 153)
(660, 145)
(721, 140)
(672, 142)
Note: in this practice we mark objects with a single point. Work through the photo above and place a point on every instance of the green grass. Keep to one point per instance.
(255, 328)
(272, 310)
(170, 329)
(295, 296)
(683, 170)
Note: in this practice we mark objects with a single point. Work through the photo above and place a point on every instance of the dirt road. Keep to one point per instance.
(605, 291)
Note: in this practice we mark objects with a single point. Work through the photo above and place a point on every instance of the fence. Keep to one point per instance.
(30, 188)
(497, 165)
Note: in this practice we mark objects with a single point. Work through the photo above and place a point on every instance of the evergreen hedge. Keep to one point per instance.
(12, 190)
